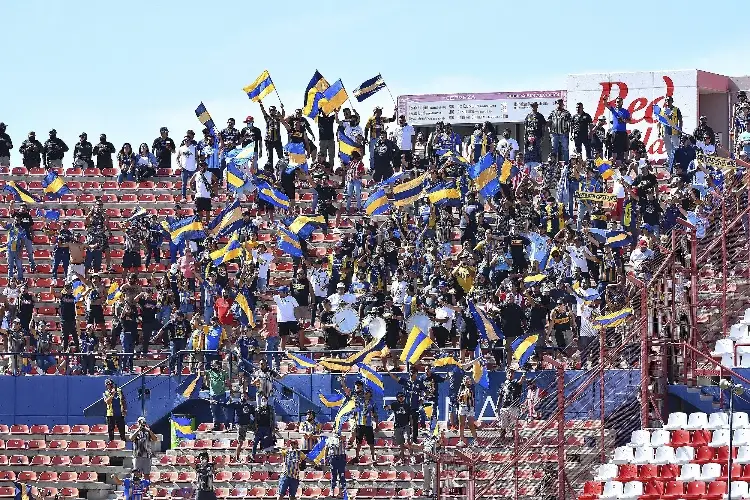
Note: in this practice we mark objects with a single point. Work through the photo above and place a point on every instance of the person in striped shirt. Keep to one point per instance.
(133, 487)
(336, 454)
(365, 414)
(310, 430)
(289, 480)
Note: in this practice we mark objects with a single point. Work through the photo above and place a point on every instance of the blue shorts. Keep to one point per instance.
(288, 484)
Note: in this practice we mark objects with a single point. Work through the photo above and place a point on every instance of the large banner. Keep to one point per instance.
(495, 107)
(639, 91)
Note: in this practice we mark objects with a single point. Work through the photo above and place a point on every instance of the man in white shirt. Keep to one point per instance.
(341, 298)
(399, 287)
(187, 160)
(263, 258)
(203, 183)
(319, 279)
(507, 146)
(285, 318)
(404, 135)
(640, 256)
(579, 255)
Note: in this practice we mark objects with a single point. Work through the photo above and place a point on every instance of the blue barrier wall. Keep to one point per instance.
(62, 399)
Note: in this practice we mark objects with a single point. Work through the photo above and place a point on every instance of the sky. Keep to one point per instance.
(128, 68)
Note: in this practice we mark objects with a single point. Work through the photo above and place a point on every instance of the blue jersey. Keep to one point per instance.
(134, 491)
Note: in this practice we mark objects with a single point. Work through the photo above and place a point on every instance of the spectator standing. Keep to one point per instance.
(620, 120)
(507, 146)
(126, 160)
(509, 403)
(598, 137)
(163, 148)
(703, 132)
(431, 447)
(176, 331)
(134, 486)
(16, 239)
(205, 471)
(384, 153)
(580, 130)
(265, 425)
(187, 160)
(559, 122)
(31, 150)
(466, 411)
(142, 438)
(534, 125)
(671, 134)
(6, 146)
(404, 138)
(250, 134)
(117, 409)
(326, 137)
(285, 316)
(401, 419)
(67, 308)
(273, 131)
(289, 481)
(336, 455)
(103, 152)
(26, 222)
(375, 129)
(83, 152)
(354, 172)
(413, 388)
(218, 381)
(54, 150)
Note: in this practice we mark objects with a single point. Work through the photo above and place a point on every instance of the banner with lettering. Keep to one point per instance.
(716, 161)
(596, 197)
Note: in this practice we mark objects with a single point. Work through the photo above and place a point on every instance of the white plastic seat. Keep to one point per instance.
(718, 420)
(632, 490)
(643, 455)
(738, 332)
(606, 472)
(689, 472)
(660, 437)
(710, 471)
(613, 490)
(640, 438)
(686, 454)
(696, 421)
(723, 346)
(677, 420)
(623, 455)
(720, 437)
(746, 318)
(740, 420)
(745, 361)
(743, 455)
(739, 489)
(741, 437)
(664, 455)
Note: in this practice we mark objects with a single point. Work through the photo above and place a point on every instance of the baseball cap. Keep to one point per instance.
(164, 129)
(284, 289)
(249, 119)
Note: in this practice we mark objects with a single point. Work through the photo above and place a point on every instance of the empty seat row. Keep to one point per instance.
(688, 472)
(700, 420)
(655, 490)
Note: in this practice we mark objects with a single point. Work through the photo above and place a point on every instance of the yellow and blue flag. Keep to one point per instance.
(190, 387)
(202, 113)
(232, 250)
(228, 221)
(534, 279)
(331, 400)
(369, 88)
(19, 193)
(301, 360)
(374, 346)
(347, 146)
(260, 88)
(451, 156)
(54, 186)
(270, 194)
(22, 491)
(377, 203)
(618, 239)
(188, 228)
(246, 318)
(479, 369)
(183, 427)
(289, 243)
(236, 178)
(605, 168)
(318, 453)
(240, 156)
(408, 192)
(371, 378)
(113, 293)
(297, 154)
(507, 171)
(614, 319)
(303, 225)
(391, 180)
(485, 176)
(343, 414)
(668, 118)
(78, 290)
(486, 327)
(335, 96)
(416, 344)
(586, 295)
(314, 95)
(445, 361)
(523, 348)
(445, 194)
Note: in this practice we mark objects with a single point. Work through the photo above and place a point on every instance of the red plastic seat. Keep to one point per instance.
(15, 444)
(20, 429)
(648, 472)
(7, 475)
(627, 472)
(69, 493)
(41, 460)
(674, 489)
(695, 489)
(48, 476)
(61, 460)
(700, 438)
(87, 477)
(80, 460)
(680, 438)
(704, 455)
(19, 460)
(68, 476)
(716, 490)
(669, 472)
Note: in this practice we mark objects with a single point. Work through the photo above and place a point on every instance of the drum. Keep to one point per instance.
(420, 320)
(346, 320)
(375, 326)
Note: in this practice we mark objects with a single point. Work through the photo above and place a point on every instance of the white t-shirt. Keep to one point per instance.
(618, 189)
(398, 291)
(446, 313)
(285, 308)
(339, 299)
(578, 259)
(203, 184)
(638, 256)
(319, 280)
(186, 157)
(508, 147)
(264, 262)
(404, 136)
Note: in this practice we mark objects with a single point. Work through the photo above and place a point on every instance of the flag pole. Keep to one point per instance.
(277, 94)
(389, 93)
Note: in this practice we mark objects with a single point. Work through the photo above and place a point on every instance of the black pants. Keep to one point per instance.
(116, 421)
(414, 420)
(619, 145)
(583, 142)
(270, 147)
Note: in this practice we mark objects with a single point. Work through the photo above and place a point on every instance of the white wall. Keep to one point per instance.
(639, 92)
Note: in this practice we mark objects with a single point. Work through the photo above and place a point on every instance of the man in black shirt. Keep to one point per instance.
(645, 181)
(401, 417)
(509, 402)
(149, 324)
(580, 129)
(54, 150)
(103, 152)
(245, 415)
(25, 309)
(25, 222)
(251, 135)
(413, 388)
(6, 145)
(31, 149)
(230, 136)
(163, 148)
(700, 133)
(273, 131)
(176, 330)
(651, 211)
(517, 244)
(511, 317)
(598, 138)
(298, 117)
(326, 138)
(535, 124)
(384, 154)
(82, 152)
